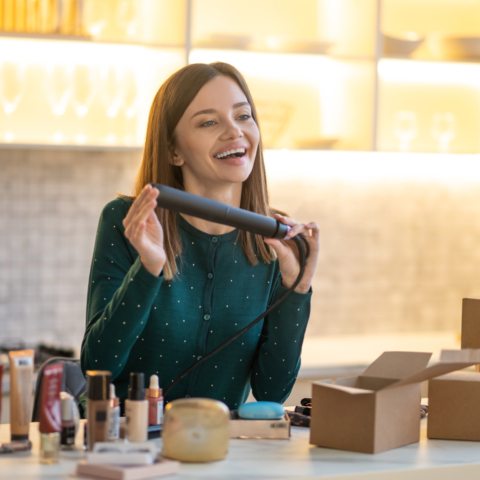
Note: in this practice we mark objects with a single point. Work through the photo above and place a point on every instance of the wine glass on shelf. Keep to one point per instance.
(111, 95)
(127, 17)
(130, 107)
(58, 89)
(12, 87)
(405, 128)
(443, 129)
(84, 88)
(95, 16)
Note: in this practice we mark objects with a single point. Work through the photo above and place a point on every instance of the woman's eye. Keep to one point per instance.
(208, 124)
(244, 117)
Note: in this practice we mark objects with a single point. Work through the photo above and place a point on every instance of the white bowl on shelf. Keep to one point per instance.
(287, 44)
(402, 46)
(221, 40)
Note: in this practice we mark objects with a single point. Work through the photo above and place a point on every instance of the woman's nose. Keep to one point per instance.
(232, 130)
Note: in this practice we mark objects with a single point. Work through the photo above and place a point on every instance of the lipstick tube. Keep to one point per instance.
(50, 413)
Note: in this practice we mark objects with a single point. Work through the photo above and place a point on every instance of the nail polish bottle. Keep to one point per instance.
(67, 441)
(136, 409)
(114, 430)
(155, 402)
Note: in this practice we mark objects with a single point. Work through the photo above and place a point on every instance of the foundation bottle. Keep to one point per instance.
(155, 402)
(98, 406)
(136, 409)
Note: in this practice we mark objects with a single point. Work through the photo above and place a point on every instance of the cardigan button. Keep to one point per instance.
(199, 357)
(214, 239)
(187, 396)
(210, 276)
(206, 317)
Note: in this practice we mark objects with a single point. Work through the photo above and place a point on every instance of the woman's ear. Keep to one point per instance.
(174, 157)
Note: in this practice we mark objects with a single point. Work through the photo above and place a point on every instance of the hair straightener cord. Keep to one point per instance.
(304, 251)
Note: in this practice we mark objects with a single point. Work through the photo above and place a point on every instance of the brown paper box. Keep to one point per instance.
(270, 429)
(453, 402)
(379, 409)
(470, 323)
(453, 399)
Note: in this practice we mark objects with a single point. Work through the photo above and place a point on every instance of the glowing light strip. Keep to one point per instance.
(401, 71)
(305, 68)
(371, 167)
(27, 51)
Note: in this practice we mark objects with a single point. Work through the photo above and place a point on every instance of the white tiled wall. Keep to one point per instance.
(50, 201)
(396, 256)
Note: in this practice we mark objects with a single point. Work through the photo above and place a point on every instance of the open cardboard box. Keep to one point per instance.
(379, 409)
(269, 429)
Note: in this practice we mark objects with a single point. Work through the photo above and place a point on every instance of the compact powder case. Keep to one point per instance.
(196, 430)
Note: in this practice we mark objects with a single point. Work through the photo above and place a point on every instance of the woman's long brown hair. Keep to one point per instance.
(170, 103)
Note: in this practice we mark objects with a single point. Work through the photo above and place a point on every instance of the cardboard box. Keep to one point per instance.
(471, 324)
(453, 402)
(453, 398)
(379, 409)
(270, 429)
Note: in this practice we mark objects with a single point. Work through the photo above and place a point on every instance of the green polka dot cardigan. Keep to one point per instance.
(137, 322)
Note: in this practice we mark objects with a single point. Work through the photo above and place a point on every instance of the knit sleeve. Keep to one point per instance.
(277, 363)
(121, 292)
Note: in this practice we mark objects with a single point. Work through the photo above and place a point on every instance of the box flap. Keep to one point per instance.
(451, 360)
(343, 388)
(397, 365)
(464, 355)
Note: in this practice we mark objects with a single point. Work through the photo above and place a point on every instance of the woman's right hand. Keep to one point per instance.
(144, 231)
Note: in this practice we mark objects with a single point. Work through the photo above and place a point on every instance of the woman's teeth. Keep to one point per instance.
(231, 152)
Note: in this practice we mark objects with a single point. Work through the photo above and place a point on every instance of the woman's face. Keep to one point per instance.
(218, 121)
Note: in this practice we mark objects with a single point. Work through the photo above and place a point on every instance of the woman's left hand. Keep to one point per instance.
(287, 253)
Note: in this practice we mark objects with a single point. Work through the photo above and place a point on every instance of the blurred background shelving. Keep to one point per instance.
(326, 74)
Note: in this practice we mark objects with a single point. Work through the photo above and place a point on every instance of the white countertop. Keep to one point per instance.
(343, 355)
(283, 459)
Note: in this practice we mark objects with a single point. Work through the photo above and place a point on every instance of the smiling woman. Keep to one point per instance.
(165, 289)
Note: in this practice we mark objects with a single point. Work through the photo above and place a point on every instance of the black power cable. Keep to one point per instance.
(303, 251)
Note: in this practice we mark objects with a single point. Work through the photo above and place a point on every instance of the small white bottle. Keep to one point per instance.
(114, 427)
(136, 409)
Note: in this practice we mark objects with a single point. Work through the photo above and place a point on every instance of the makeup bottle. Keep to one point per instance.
(98, 408)
(114, 429)
(155, 402)
(21, 378)
(50, 413)
(136, 409)
(1, 378)
(68, 423)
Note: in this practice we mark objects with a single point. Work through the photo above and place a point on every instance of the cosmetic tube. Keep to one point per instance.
(21, 382)
(114, 429)
(136, 409)
(68, 422)
(155, 402)
(98, 408)
(50, 413)
(1, 378)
